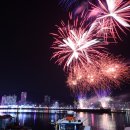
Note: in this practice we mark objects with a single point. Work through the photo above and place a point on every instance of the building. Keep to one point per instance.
(23, 100)
(9, 100)
(23, 96)
(55, 104)
(47, 100)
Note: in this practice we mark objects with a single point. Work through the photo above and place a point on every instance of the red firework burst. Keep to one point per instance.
(108, 72)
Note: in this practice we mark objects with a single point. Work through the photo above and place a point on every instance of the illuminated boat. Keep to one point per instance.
(70, 122)
(127, 128)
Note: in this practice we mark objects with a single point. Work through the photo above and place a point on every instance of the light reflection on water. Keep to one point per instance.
(99, 121)
(41, 121)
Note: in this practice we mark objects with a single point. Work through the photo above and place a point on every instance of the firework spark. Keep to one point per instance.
(74, 44)
(78, 48)
(75, 79)
(115, 70)
(104, 97)
(103, 93)
(114, 13)
(105, 101)
(107, 73)
(84, 79)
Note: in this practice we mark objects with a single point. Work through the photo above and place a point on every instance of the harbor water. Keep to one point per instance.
(104, 121)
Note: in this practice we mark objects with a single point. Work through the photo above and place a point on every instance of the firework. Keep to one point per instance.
(105, 101)
(82, 103)
(75, 80)
(104, 96)
(116, 70)
(78, 48)
(115, 13)
(75, 44)
(83, 79)
(106, 73)
(103, 93)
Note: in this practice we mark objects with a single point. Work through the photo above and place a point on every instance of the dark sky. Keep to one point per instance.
(25, 50)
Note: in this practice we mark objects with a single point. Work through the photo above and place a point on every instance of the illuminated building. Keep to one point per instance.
(9, 100)
(47, 100)
(23, 98)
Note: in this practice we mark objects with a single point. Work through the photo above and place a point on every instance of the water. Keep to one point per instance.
(41, 121)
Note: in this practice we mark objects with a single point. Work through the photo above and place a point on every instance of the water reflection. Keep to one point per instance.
(98, 121)
(113, 121)
(40, 121)
(22, 118)
(107, 122)
(92, 120)
(127, 117)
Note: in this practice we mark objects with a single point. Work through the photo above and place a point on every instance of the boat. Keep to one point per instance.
(127, 128)
(7, 122)
(70, 122)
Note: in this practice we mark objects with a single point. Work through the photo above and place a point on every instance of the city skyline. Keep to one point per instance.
(82, 102)
(25, 54)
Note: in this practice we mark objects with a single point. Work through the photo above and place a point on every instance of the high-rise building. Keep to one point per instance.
(47, 100)
(9, 100)
(23, 98)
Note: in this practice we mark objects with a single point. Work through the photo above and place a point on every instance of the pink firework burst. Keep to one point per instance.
(75, 44)
(111, 14)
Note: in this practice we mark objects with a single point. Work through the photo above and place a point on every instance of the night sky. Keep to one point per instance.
(25, 40)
